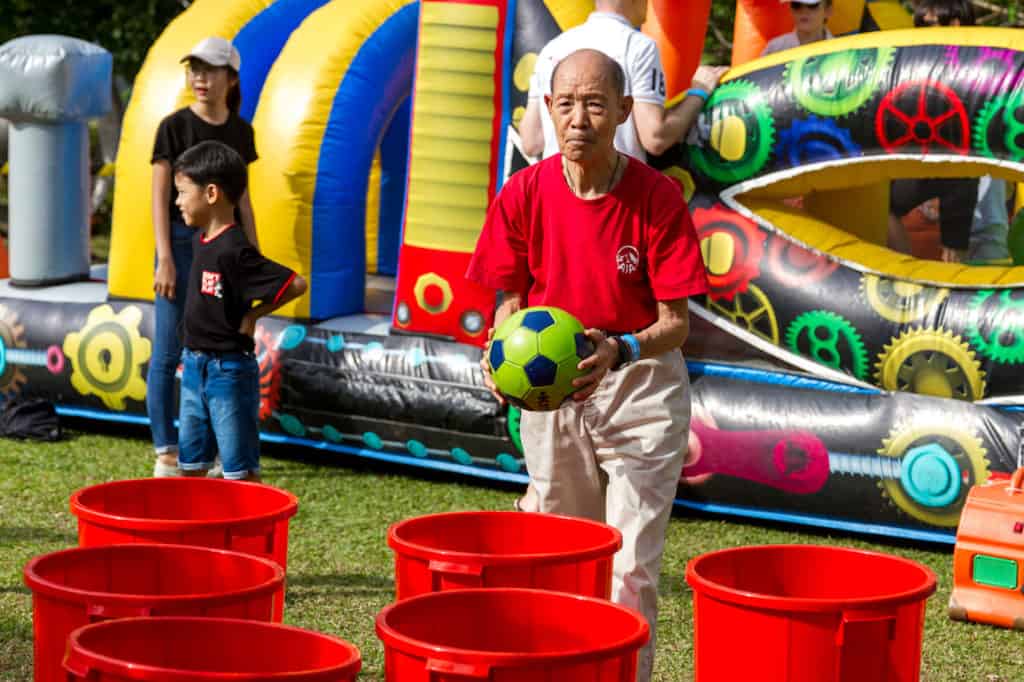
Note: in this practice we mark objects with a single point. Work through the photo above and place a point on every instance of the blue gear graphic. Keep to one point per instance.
(815, 139)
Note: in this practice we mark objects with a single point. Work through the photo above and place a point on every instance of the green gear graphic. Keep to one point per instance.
(806, 332)
(744, 101)
(999, 115)
(839, 83)
(1001, 339)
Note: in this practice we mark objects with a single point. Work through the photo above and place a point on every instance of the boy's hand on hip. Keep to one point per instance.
(248, 326)
(606, 352)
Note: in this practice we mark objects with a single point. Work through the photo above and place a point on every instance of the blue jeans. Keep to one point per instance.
(163, 364)
(220, 406)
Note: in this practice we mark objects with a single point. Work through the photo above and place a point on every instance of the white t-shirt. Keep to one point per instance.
(787, 41)
(635, 52)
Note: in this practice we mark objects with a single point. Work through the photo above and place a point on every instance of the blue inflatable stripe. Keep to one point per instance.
(377, 82)
(821, 522)
(506, 84)
(260, 42)
(763, 376)
(394, 163)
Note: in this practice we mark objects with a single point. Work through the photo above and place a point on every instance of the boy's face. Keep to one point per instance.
(194, 201)
(810, 18)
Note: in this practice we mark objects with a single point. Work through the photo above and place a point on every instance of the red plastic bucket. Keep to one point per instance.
(204, 650)
(502, 549)
(246, 517)
(511, 635)
(78, 586)
(802, 613)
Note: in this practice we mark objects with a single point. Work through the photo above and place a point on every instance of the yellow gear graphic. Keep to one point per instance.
(107, 355)
(931, 362)
(12, 335)
(901, 301)
(966, 449)
(420, 291)
(751, 310)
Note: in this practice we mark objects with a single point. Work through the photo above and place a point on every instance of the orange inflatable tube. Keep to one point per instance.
(680, 38)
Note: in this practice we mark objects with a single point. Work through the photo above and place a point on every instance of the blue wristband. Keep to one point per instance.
(634, 346)
(697, 92)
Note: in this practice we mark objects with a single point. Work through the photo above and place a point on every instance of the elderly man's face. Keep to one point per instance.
(586, 109)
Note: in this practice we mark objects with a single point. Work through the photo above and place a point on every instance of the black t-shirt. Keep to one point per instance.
(183, 129)
(228, 274)
(957, 199)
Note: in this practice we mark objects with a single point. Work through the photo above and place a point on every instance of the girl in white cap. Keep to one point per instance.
(212, 75)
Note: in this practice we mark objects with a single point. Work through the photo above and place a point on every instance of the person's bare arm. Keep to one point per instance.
(164, 278)
(667, 333)
(531, 130)
(248, 219)
(297, 287)
(660, 128)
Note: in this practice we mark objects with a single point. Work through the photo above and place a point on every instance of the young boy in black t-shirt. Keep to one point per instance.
(220, 381)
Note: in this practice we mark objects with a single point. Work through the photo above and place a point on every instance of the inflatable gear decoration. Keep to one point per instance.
(999, 127)
(828, 339)
(12, 335)
(794, 265)
(107, 355)
(815, 139)
(925, 126)
(931, 362)
(751, 310)
(736, 131)
(899, 300)
(1000, 335)
(940, 463)
(732, 247)
(839, 83)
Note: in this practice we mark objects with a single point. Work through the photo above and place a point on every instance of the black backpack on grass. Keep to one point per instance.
(30, 418)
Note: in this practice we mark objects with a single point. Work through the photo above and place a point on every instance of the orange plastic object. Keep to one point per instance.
(509, 635)
(206, 650)
(806, 613)
(457, 550)
(757, 22)
(237, 515)
(75, 587)
(680, 38)
(989, 555)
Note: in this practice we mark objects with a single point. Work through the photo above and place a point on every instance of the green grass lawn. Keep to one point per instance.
(340, 569)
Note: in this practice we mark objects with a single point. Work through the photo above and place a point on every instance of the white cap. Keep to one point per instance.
(216, 52)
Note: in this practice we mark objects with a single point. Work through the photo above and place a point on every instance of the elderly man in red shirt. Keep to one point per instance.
(605, 237)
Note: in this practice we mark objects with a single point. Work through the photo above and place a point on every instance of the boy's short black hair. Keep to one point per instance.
(214, 163)
(945, 11)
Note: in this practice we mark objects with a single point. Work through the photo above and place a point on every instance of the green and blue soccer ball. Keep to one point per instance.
(534, 356)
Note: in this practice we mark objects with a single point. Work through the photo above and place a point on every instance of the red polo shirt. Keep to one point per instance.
(608, 260)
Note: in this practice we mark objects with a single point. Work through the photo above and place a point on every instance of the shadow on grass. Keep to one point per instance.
(10, 535)
(311, 586)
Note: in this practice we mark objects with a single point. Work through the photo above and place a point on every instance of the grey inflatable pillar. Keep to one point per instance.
(50, 86)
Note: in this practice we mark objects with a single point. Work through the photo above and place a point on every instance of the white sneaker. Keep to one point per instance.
(161, 470)
(217, 470)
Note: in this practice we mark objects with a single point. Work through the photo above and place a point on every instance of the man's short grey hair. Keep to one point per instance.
(613, 70)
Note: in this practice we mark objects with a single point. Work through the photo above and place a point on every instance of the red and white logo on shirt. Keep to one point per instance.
(627, 259)
(211, 285)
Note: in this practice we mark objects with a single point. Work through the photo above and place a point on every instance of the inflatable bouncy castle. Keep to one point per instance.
(835, 382)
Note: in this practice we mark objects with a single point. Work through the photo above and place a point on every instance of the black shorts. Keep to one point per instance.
(957, 199)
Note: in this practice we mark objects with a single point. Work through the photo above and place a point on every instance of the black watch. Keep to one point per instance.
(624, 355)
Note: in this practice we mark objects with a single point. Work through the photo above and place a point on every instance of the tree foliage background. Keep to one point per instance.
(125, 27)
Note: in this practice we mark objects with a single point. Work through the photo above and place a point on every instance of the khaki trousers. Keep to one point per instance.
(616, 458)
